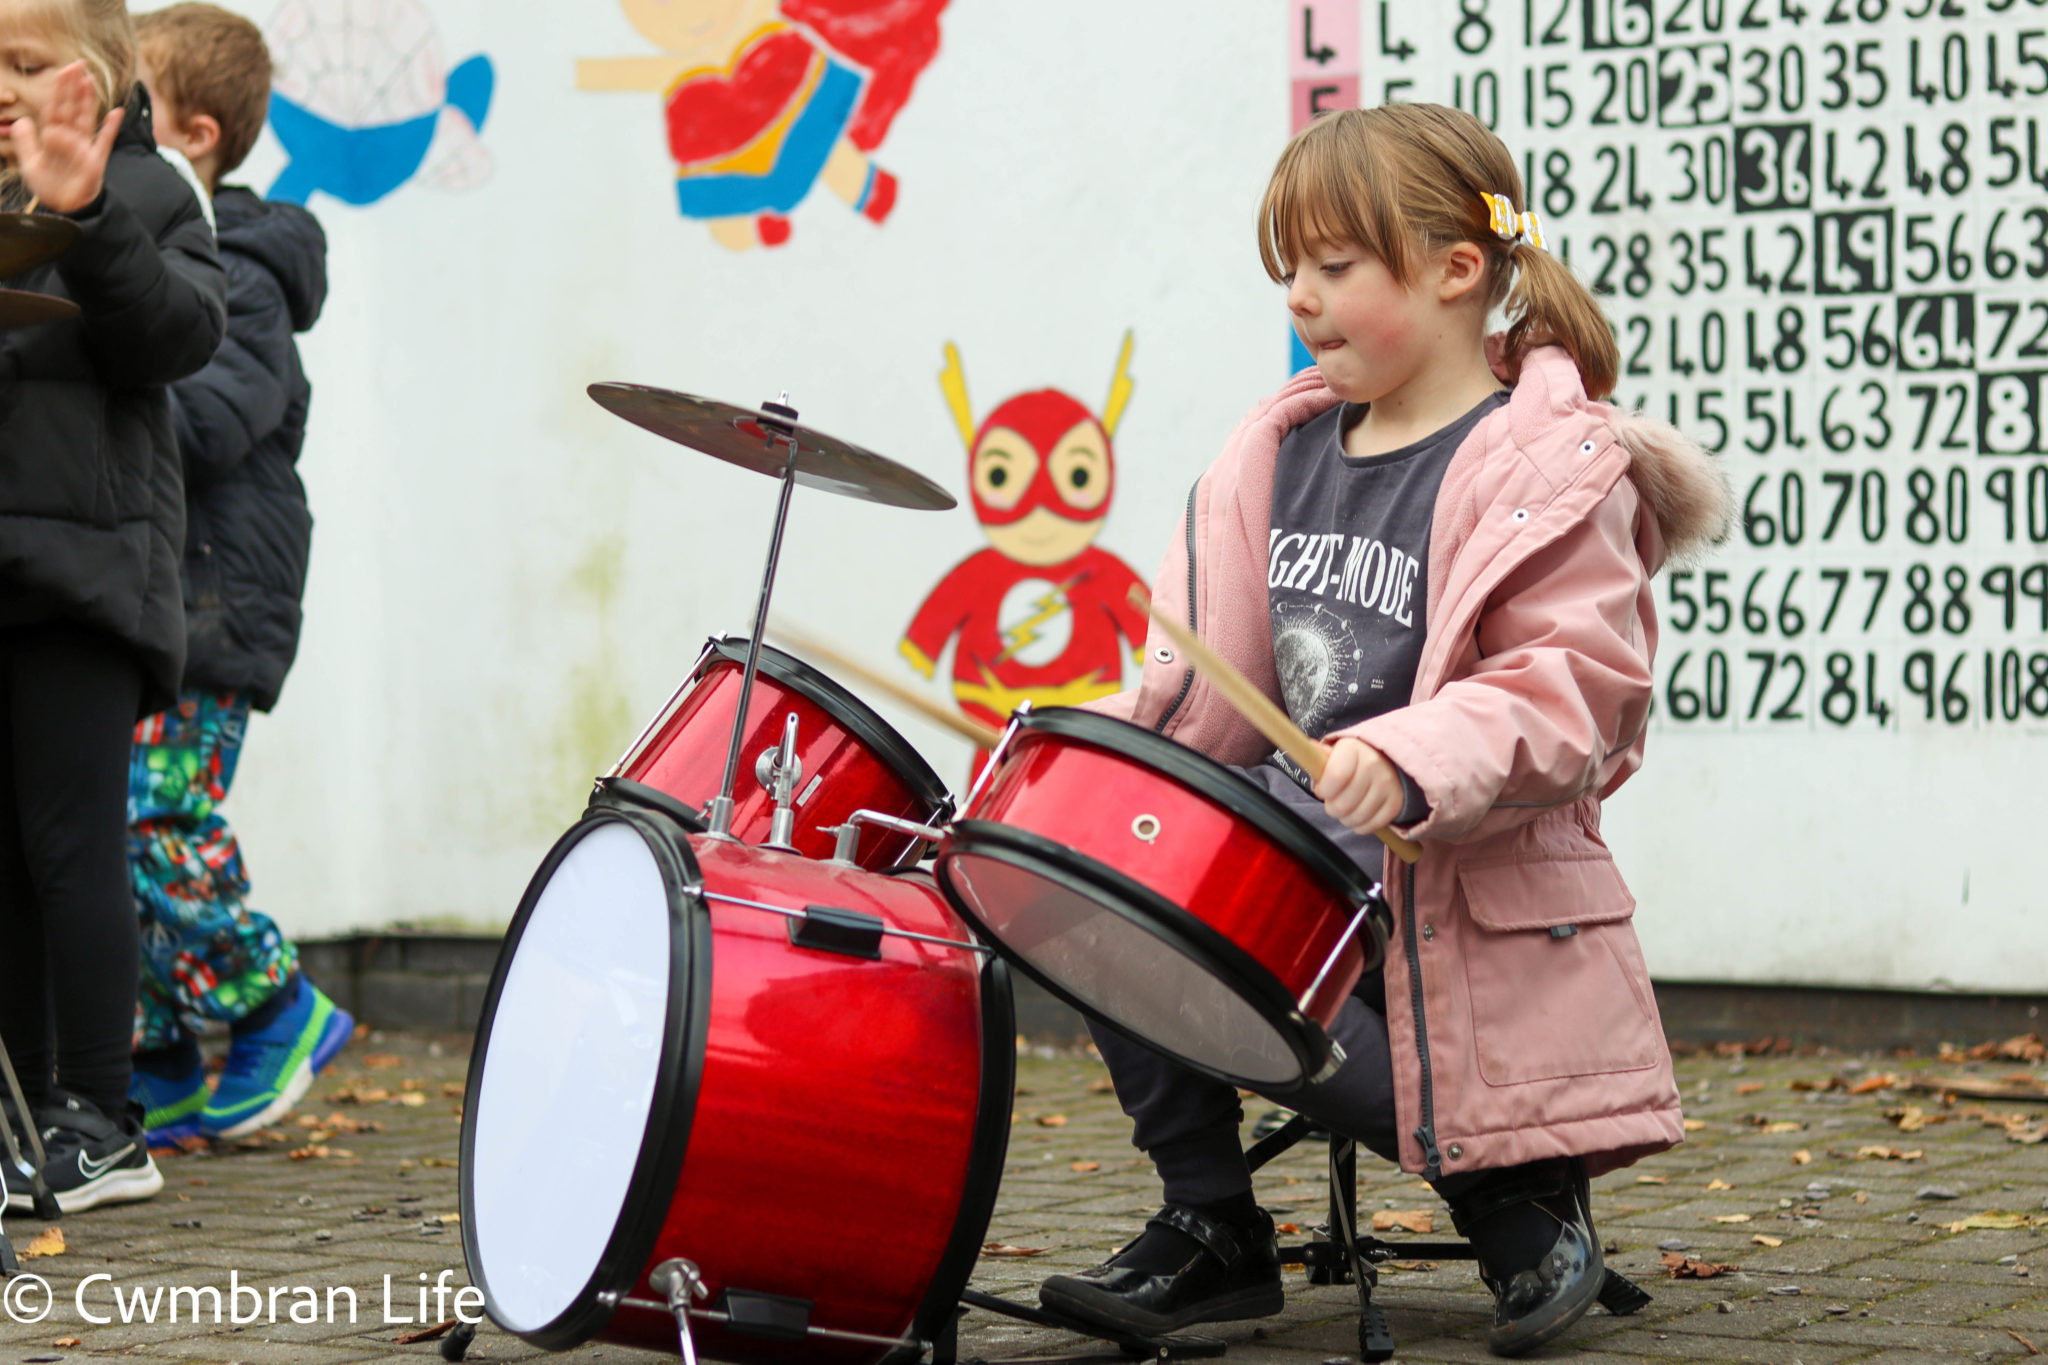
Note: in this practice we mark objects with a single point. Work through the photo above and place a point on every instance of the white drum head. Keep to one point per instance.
(573, 1048)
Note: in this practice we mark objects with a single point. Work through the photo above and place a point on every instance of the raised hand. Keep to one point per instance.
(63, 161)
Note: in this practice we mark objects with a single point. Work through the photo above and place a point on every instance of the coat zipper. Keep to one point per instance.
(1187, 682)
(1432, 1160)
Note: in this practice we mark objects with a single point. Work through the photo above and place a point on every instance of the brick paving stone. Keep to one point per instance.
(1903, 1288)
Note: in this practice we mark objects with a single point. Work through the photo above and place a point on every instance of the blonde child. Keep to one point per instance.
(91, 525)
(1455, 596)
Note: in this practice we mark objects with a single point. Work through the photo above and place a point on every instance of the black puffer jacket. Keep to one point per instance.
(92, 499)
(240, 423)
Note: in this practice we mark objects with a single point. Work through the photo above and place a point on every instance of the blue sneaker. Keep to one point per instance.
(170, 1106)
(270, 1069)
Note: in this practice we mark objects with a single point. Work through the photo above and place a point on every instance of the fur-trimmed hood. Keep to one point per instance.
(1683, 486)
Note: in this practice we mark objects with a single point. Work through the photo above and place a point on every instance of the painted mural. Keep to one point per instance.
(766, 99)
(363, 102)
(1040, 613)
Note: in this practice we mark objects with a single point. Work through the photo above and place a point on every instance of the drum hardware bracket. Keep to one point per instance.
(697, 891)
(846, 837)
(831, 929)
(1365, 910)
(995, 755)
(678, 1281)
(779, 770)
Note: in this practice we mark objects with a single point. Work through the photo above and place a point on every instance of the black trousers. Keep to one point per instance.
(69, 942)
(1188, 1123)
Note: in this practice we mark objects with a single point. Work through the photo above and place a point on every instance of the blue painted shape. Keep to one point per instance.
(802, 156)
(356, 165)
(470, 87)
(1298, 358)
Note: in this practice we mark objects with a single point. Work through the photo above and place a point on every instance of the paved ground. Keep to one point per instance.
(1843, 1221)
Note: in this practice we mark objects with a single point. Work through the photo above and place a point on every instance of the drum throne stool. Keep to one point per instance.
(1339, 1254)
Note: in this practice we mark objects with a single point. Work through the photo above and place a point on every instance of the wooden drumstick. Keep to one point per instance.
(1256, 707)
(804, 643)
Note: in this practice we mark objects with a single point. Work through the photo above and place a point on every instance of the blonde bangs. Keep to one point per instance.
(1329, 189)
(101, 31)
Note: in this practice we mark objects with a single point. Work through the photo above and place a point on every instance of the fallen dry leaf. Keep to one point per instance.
(382, 1061)
(1783, 1126)
(1883, 1081)
(1682, 1267)
(67, 1342)
(411, 1083)
(1105, 1086)
(1409, 1265)
(1749, 1087)
(2027, 1047)
(2031, 1135)
(1005, 1249)
(1718, 1184)
(316, 1151)
(1863, 1196)
(439, 1161)
(1653, 1180)
(425, 1333)
(1086, 1166)
(1977, 1088)
(1727, 1217)
(1407, 1220)
(1289, 1228)
(1802, 1157)
(1764, 1240)
(1911, 1119)
(1995, 1220)
(1888, 1154)
(411, 1099)
(1694, 1125)
(451, 1090)
(48, 1242)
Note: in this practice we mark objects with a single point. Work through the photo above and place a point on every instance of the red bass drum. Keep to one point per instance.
(795, 1075)
(1165, 895)
(851, 758)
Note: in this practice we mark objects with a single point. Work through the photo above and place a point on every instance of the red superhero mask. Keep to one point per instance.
(1041, 449)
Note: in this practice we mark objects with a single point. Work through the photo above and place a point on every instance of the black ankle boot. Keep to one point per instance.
(1533, 1229)
(1232, 1272)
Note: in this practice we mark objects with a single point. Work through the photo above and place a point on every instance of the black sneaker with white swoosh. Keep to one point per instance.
(91, 1159)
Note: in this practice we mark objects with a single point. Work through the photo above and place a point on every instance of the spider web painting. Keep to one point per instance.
(363, 100)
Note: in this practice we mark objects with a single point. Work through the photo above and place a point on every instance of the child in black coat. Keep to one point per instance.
(206, 954)
(92, 631)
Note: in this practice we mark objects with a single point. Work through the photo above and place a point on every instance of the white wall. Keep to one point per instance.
(507, 581)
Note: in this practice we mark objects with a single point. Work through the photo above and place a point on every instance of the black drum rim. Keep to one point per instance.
(851, 712)
(1147, 910)
(672, 1107)
(1207, 778)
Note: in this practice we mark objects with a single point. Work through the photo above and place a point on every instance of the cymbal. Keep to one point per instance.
(19, 309)
(760, 441)
(28, 240)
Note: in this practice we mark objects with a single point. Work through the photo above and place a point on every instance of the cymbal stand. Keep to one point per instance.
(718, 814)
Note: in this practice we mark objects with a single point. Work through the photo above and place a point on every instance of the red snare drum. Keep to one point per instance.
(795, 1075)
(851, 758)
(1165, 895)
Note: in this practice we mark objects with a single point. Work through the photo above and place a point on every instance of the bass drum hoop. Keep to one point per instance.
(1146, 909)
(673, 1105)
(1207, 778)
(852, 713)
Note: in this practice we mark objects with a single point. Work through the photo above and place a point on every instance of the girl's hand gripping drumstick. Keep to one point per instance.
(1256, 707)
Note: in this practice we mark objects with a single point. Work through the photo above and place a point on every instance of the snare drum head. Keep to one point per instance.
(581, 1050)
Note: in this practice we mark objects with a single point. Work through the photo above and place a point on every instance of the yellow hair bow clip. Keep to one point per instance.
(1513, 227)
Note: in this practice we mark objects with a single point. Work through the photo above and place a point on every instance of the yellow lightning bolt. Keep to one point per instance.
(1025, 631)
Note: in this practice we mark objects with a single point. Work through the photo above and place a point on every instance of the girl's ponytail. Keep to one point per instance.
(1549, 304)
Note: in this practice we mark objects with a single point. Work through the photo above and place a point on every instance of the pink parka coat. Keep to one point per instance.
(1511, 1043)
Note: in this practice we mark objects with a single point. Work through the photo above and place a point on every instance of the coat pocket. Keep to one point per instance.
(1546, 1007)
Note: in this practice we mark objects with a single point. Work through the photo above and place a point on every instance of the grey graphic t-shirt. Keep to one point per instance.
(1347, 566)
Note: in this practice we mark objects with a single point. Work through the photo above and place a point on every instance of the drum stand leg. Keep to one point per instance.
(1128, 1347)
(718, 814)
(455, 1345)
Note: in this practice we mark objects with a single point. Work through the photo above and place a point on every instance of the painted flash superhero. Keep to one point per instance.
(1039, 613)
